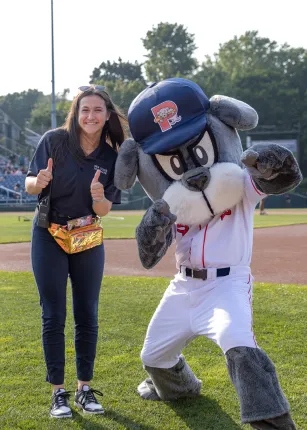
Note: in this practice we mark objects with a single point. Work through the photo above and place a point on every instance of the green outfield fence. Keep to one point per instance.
(136, 199)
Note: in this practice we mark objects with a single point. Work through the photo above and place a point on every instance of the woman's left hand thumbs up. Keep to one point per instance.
(97, 189)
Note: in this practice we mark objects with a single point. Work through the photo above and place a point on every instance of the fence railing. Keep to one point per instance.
(8, 191)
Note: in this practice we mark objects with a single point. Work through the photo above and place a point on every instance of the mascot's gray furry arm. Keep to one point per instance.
(187, 155)
(154, 233)
(272, 167)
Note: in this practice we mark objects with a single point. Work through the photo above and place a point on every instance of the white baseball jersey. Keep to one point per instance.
(226, 240)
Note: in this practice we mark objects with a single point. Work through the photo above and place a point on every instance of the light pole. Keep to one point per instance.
(53, 109)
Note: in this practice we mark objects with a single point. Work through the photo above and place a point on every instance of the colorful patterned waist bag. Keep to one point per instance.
(78, 239)
(78, 235)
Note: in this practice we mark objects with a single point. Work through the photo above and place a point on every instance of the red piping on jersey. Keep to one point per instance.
(203, 253)
(257, 191)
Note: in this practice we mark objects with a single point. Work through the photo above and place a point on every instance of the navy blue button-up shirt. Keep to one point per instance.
(70, 195)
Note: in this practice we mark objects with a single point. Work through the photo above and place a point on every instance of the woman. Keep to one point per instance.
(79, 158)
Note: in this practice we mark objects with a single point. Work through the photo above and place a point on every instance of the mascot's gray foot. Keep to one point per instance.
(284, 422)
(174, 383)
(147, 390)
(255, 380)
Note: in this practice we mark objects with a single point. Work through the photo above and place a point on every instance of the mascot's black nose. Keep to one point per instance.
(197, 179)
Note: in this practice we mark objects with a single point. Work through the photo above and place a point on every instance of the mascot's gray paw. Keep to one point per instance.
(268, 161)
(273, 168)
(283, 422)
(154, 233)
(147, 390)
(156, 223)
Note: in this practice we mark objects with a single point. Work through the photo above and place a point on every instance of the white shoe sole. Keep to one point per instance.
(98, 412)
(61, 416)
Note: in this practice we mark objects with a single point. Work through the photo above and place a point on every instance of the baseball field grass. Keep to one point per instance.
(126, 306)
(121, 225)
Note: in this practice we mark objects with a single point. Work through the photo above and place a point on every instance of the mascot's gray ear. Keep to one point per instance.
(126, 166)
(233, 112)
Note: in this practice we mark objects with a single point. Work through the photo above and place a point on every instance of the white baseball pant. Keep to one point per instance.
(219, 308)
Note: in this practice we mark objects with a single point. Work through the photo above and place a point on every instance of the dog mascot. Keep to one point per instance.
(187, 155)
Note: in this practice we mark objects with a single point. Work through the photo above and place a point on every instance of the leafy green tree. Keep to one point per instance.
(123, 81)
(212, 78)
(269, 77)
(170, 52)
(40, 120)
(19, 105)
(124, 71)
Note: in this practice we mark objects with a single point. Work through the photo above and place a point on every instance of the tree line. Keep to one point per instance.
(270, 77)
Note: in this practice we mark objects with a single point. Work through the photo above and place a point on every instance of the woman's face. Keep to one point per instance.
(92, 114)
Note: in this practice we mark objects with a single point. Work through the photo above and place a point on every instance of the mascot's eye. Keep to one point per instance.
(204, 151)
(171, 165)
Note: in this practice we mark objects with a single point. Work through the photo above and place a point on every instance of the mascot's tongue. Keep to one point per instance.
(224, 191)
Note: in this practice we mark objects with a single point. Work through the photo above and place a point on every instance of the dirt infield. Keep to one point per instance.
(279, 256)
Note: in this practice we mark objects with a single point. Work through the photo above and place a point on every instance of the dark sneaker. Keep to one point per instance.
(86, 400)
(59, 406)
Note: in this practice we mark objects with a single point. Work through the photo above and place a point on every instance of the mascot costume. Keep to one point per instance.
(187, 155)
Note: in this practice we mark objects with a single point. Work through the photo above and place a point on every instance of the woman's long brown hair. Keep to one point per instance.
(114, 132)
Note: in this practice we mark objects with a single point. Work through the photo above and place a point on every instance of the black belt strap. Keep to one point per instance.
(203, 274)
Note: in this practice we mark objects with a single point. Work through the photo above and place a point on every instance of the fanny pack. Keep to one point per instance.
(73, 240)
(78, 239)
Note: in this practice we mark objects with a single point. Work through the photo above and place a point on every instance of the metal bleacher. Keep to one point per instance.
(11, 197)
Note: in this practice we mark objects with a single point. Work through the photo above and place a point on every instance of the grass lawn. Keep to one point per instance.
(17, 227)
(126, 305)
(279, 220)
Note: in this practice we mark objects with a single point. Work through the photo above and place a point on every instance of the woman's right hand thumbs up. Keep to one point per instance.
(44, 176)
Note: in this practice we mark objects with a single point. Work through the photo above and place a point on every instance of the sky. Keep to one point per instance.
(89, 32)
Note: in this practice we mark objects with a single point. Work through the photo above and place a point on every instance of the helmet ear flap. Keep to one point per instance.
(233, 112)
(126, 166)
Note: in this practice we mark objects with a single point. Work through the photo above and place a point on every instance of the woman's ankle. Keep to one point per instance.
(56, 387)
(81, 383)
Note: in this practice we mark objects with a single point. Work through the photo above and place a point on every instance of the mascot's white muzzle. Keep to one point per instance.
(224, 190)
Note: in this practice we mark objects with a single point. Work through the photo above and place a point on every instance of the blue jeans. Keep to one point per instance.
(51, 267)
